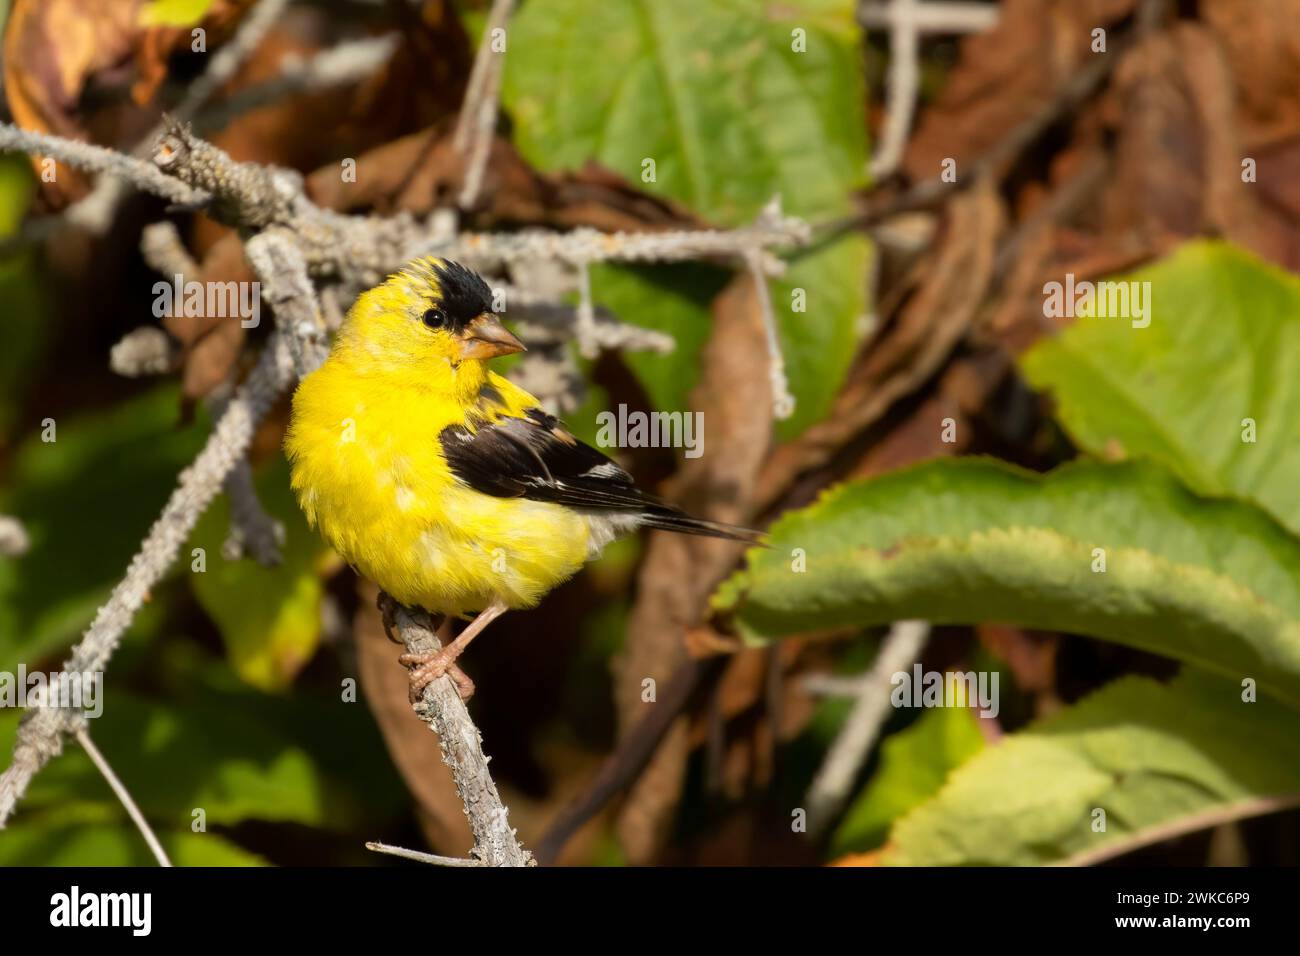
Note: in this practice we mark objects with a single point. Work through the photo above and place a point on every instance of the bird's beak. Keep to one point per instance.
(485, 337)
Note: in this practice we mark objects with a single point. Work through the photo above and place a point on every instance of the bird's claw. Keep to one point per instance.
(427, 668)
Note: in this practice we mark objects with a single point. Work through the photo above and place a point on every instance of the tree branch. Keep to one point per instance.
(477, 123)
(41, 731)
(834, 781)
(440, 706)
(93, 158)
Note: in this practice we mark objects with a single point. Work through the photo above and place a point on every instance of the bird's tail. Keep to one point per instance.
(668, 518)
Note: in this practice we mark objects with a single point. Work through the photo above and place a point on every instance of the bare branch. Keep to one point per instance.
(227, 60)
(93, 158)
(123, 795)
(337, 66)
(40, 734)
(248, 196)
(147, 350)
(834, 780)
(933, 16)
(252, 530)
(476, 125)
(165, 252)
(286, 286)
(782, 400)
(440, 706)
(770, 230)
(420, 857)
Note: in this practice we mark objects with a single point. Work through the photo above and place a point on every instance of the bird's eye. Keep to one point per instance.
(435, 318)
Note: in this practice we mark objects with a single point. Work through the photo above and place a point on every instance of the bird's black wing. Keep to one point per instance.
(536, 458)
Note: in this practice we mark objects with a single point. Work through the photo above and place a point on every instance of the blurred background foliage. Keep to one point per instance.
(258, 715)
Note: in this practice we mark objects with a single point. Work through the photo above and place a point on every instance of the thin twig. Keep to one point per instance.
(903, 87)
(227, 60)
(420, 856)
(124, 795)
(476, 125)
(834, 780)
(253, 532)
(782, 400)
(933, 16)
(906, 20)
(147, 350)
(770, 230)
(337, 66)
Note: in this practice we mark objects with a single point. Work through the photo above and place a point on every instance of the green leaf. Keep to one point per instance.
(86, 513)
(269, 618)
(731, 114)
(913, 766)
(1149, 755)
(711, 90)
(818, 344)
(1211, 582)
(1222, 346)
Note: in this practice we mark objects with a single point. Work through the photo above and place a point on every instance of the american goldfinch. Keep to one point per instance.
(440, 480)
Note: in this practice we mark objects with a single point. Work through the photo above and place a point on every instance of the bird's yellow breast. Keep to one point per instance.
(369, 472)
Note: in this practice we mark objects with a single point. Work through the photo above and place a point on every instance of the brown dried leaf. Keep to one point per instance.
(420, 171)
(1005, 76)
(956, 277)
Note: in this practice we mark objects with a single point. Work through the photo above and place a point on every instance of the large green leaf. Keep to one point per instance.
(717, 95)
(711, 90)
(1212, 582)
(1222, 346)
(1148, 755)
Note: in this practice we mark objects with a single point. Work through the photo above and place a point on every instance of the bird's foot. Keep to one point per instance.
(427, 668)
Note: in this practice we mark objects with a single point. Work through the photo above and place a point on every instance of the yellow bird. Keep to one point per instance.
(440, 480)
